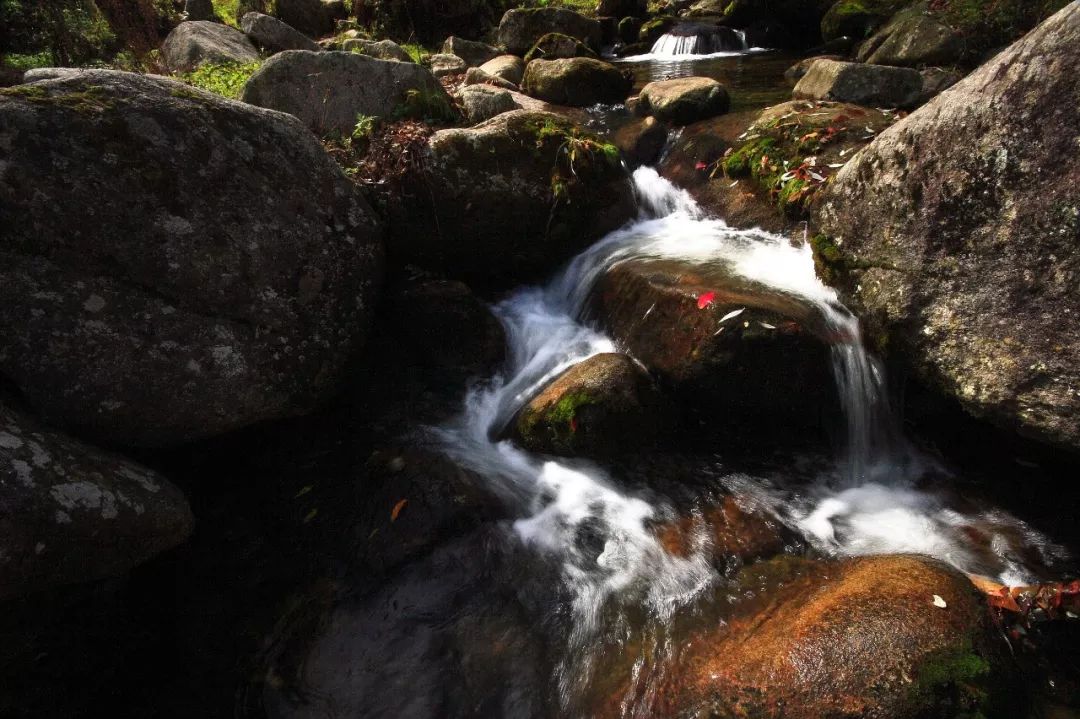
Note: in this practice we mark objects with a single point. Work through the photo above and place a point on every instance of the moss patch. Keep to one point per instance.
(576, 155)
(90, 100)
(226, 79)
(955, 682)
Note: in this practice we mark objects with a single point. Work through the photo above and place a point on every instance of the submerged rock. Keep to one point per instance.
(174, 265)
(871, 85)
(473, 53)
(577, 82)
(496, 204)
(603, 405)
(381, 49)
(70, 512)
(893, 637)
(197, 42)
(753, 354)
(958, 234)
(684, 100)
(327, 90)
(521, 28)
(273, 36)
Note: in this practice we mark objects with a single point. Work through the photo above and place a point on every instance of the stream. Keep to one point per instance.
(575, 607)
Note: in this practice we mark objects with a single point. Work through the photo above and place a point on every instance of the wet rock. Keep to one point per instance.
(476, 76)
(445, 326)
(911, 39)
(556, 46)
(755, 355)
(520, 29)
(381, 49)
(870, 85)
(653, 30)
(443, 64)
(601, 406)
(622, 8)
(957, 232)
(229, 272)
(200, 10)
(684, 100)
(733, 531)
(274, 36)
(483, 102)
(796, 72)
(642, 141)
(495, 204)
(195, 43)
(327, 90)
(858, 638)
(72, 513)
(507, 67)
(473, 53)
(578, 82)
(311, 17)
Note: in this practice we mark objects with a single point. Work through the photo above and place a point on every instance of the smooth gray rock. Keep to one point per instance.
(959, 237)
(173, 265)
(70, 512)
(521, 28)
(379, 49)
(473, 53)
(871, 85)
(444, 64)
(327, 90)
(483, 102)
(273, 36)
(194, 43)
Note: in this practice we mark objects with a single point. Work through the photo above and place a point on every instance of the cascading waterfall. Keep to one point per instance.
(575, 512)
(699, 40)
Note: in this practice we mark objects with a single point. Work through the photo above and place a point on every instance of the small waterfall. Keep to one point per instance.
(695, 39)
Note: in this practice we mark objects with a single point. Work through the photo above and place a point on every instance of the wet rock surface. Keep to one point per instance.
(228, 276)
(959, 230)
(70, 512)
(601, 406)
(327, 90)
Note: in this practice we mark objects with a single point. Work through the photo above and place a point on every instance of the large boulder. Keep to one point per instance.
(555, 46)
(174, 265)
(327, 90)
(871, 85)
(684, 100)
(497, 204)
(521, 28)
(893, 636)
(911, 39)
(483, 102)
(311, 17)
(959, 232)
(70, 512)
(273, 36)
(379, 49)
(506, 67)
(197, 42)
(605, 405)
(718, 341)
(577, 82)
(472, 52)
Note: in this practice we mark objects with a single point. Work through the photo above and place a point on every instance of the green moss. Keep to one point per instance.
(741, 162)
(955, 682)
(417, 52)
(430, 106)
(566, 409)
(90, 100)
(556, 425)
(226, 79)
(27, 92)
(578, 155)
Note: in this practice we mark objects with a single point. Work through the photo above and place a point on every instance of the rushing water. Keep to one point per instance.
(579, 588)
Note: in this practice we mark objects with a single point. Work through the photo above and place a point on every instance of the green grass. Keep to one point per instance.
(417, 51)
(226, 80)
(227, 10)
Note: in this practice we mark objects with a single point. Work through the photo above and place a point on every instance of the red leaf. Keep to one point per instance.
(700, 166)
(397, 509)
(705, 300)
(573, 424)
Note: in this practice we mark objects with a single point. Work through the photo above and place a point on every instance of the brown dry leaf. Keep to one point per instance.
(397, 509)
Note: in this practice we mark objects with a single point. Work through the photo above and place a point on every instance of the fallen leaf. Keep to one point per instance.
(939, 602)
(705, 299)
(397, 509)
(733, 313)
(700, 166)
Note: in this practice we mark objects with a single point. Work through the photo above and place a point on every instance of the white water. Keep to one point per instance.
(576, 513)
(695, 44)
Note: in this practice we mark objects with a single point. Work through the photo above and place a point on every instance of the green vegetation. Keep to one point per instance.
(576, 154)
(90, 100)
(957, 682)
(417, 52)
(226, 80)
(365, 127)
(430, 106)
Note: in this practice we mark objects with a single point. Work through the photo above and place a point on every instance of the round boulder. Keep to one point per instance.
(684, 100)
(273, 36)
(520, 29)
(173, 265)
(483, 102)
(577, 82)
(604, 405)
(507, 67)
(197, 42)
